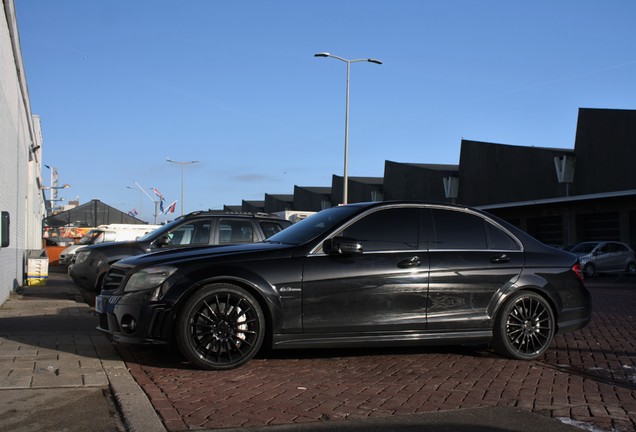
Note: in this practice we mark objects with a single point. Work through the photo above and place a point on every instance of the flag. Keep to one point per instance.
(133, 213)
(156, 192)
(171, 207)
(161, 205)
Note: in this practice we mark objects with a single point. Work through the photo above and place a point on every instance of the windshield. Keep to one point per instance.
(159, 231)
(584, 247)
(307, 229)
(89, 237)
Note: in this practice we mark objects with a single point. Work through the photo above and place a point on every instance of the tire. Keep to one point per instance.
(524, 327)
(589, 270)
(220, 327)
(631, 268)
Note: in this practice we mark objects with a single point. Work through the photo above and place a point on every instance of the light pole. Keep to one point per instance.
(53, 193)
(182, 165)
(345, 178)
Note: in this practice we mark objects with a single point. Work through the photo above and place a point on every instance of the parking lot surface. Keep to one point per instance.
(587, 379)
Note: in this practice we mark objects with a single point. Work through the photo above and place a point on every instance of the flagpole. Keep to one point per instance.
(150, 198)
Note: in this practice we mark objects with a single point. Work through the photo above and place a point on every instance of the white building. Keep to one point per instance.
(20, 159)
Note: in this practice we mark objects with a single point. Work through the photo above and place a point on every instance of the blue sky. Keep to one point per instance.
(121, 85)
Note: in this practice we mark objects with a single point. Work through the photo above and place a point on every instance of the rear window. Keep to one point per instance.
(465, 231)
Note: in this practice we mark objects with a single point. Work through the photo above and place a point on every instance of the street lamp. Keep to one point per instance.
(346, 150)
(182, 164)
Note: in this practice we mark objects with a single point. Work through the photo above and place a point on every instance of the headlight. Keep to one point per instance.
(149, 278)
(81, 256)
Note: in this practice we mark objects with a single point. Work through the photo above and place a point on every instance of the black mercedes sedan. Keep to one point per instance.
(368, 274)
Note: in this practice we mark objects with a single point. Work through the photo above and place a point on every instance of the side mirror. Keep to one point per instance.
(342, 246)
(162, 241)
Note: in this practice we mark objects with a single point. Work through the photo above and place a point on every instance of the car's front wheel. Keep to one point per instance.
(525, 326)
(589, 270)
(631, 267)
(220, 327)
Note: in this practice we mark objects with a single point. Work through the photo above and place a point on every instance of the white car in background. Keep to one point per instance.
(605, 257)
(105, 234)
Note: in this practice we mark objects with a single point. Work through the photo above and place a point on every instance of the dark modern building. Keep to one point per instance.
(597, 199)
(309, 198)
(278, 203)
(412, 181)
(360, 189)
(561, 196)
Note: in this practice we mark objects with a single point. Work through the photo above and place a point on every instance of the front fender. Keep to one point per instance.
(263, 281)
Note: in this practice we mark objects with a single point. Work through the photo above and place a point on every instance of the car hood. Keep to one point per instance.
(190, 254)
(112, 245)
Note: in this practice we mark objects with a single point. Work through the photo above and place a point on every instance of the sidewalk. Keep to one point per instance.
(58, 373)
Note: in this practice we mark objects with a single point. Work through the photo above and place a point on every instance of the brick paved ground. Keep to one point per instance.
(588, 376)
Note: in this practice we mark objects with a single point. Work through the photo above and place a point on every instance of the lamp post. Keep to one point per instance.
(345, 178)
(182, 165)
(53, 193)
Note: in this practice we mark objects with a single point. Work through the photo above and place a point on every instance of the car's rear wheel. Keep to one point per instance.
(220, 327)
(589, 270)
(525, 326)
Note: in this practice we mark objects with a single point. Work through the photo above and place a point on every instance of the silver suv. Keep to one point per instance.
(605, 257)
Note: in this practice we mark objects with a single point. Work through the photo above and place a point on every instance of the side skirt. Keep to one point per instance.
(293, 341)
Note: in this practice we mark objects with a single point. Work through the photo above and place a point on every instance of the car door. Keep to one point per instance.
(618, 256)
(602, 258)
(471, 260)
(382, 289)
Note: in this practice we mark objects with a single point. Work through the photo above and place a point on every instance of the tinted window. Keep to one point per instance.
(499, 240)
(235, 231)
(270, 228)
(458, 230)
(196, 232)
(617, 247)
(390, 229)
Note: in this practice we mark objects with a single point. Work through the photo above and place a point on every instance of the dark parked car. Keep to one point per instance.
(605, 257)
(388, 273)
(195, 229)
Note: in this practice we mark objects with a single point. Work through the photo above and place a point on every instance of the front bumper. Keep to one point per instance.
(83, 275)
(131, 318)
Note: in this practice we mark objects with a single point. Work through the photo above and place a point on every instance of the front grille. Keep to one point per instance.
(113, 279)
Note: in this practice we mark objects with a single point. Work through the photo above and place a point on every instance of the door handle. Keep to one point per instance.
(410, 262)
(503, 258)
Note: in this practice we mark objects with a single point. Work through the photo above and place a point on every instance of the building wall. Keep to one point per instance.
(278, 203)
(498, 173)
(312, 198)
(404, 181)
(605, 151)
(360, 189)
(20, 164)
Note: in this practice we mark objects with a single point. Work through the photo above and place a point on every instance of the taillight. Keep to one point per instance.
(576, 268)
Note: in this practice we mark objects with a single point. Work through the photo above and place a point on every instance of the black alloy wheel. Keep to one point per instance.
(589, 270)
(220, 327)
(525, 327)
